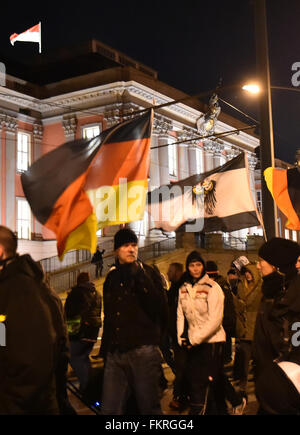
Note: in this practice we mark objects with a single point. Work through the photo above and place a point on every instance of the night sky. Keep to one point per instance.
(192, 44)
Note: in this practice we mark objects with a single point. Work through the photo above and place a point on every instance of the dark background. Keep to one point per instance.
(192, 44)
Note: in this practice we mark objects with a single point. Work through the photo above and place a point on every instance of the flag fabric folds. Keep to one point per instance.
(220, 200)
(87, 184)
(284, 185)
(30, 35)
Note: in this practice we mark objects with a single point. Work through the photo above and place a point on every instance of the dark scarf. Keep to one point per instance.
(276, 282)
(273, 285)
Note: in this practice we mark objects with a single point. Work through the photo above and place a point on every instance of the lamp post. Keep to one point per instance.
(269, 210)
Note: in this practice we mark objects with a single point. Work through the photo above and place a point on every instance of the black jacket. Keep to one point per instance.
(135, 308)
(279, 310)
(229, 318)
(85, 302)
(36, 343)
(172, 295)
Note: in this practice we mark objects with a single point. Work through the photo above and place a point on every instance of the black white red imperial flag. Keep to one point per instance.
(219, 200)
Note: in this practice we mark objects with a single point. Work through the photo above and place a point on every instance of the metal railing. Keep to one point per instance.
(157, 249)
(238, 243)
(71, 258)
(63, 279)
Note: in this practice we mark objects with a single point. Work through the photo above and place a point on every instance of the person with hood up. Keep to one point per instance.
(199, 329)
(249, 291)
(83, 312)
(34, 335)
(276, 338)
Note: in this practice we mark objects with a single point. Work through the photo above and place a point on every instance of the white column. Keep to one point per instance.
(36, 154)
(183, 163)
(154, 163)
(10, 172)
(192, 161)
(209, 163)
(218, 157)
(163, 158)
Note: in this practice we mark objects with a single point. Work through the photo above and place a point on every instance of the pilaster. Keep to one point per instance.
(10, 124)
(69, 124)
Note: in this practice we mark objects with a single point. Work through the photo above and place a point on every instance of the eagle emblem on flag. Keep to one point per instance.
(208, 189)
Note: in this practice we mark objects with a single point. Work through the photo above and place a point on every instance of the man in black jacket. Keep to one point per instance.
(135, 318)
(35, 352)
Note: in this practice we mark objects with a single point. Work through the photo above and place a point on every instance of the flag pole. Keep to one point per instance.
(40, 41)
(262, 221)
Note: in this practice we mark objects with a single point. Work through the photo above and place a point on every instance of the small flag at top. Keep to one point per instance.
(31, 35)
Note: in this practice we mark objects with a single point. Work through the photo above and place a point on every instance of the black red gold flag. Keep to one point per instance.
(284, 185)
(87, 184)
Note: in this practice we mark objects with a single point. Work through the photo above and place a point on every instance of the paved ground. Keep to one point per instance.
(81, 409)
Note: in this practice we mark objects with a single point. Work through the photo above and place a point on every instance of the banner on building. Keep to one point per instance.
(87, 184)
(219, 200)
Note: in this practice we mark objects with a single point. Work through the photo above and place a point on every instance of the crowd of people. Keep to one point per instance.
(189, 320)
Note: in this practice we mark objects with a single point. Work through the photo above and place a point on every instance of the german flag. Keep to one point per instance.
(284, 185)
(87, 184)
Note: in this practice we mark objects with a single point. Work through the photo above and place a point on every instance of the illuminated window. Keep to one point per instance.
(91, 131)
(172, 152)
(23, 151)
(23, 219)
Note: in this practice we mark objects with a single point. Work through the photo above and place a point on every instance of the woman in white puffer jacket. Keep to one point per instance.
(199, 325)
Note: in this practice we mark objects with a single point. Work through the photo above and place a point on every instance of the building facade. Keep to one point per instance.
(36, 117)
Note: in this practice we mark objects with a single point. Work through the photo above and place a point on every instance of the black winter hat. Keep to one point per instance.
(211, 267)
(194, 256)
(280, 252)
(123, 236)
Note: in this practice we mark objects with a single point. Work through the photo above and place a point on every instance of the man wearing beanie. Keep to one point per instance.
(200, 331)
(273, 338)
(135, 318)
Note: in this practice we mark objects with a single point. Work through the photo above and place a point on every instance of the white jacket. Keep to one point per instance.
(202, 305)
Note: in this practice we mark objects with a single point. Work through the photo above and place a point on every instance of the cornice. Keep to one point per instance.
(81, 101)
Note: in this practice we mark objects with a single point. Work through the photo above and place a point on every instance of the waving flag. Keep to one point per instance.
(220, 200)
(87, 184)
(284, 185)
(31, 35)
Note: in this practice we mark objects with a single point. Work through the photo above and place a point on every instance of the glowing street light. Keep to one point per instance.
(253, 88)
